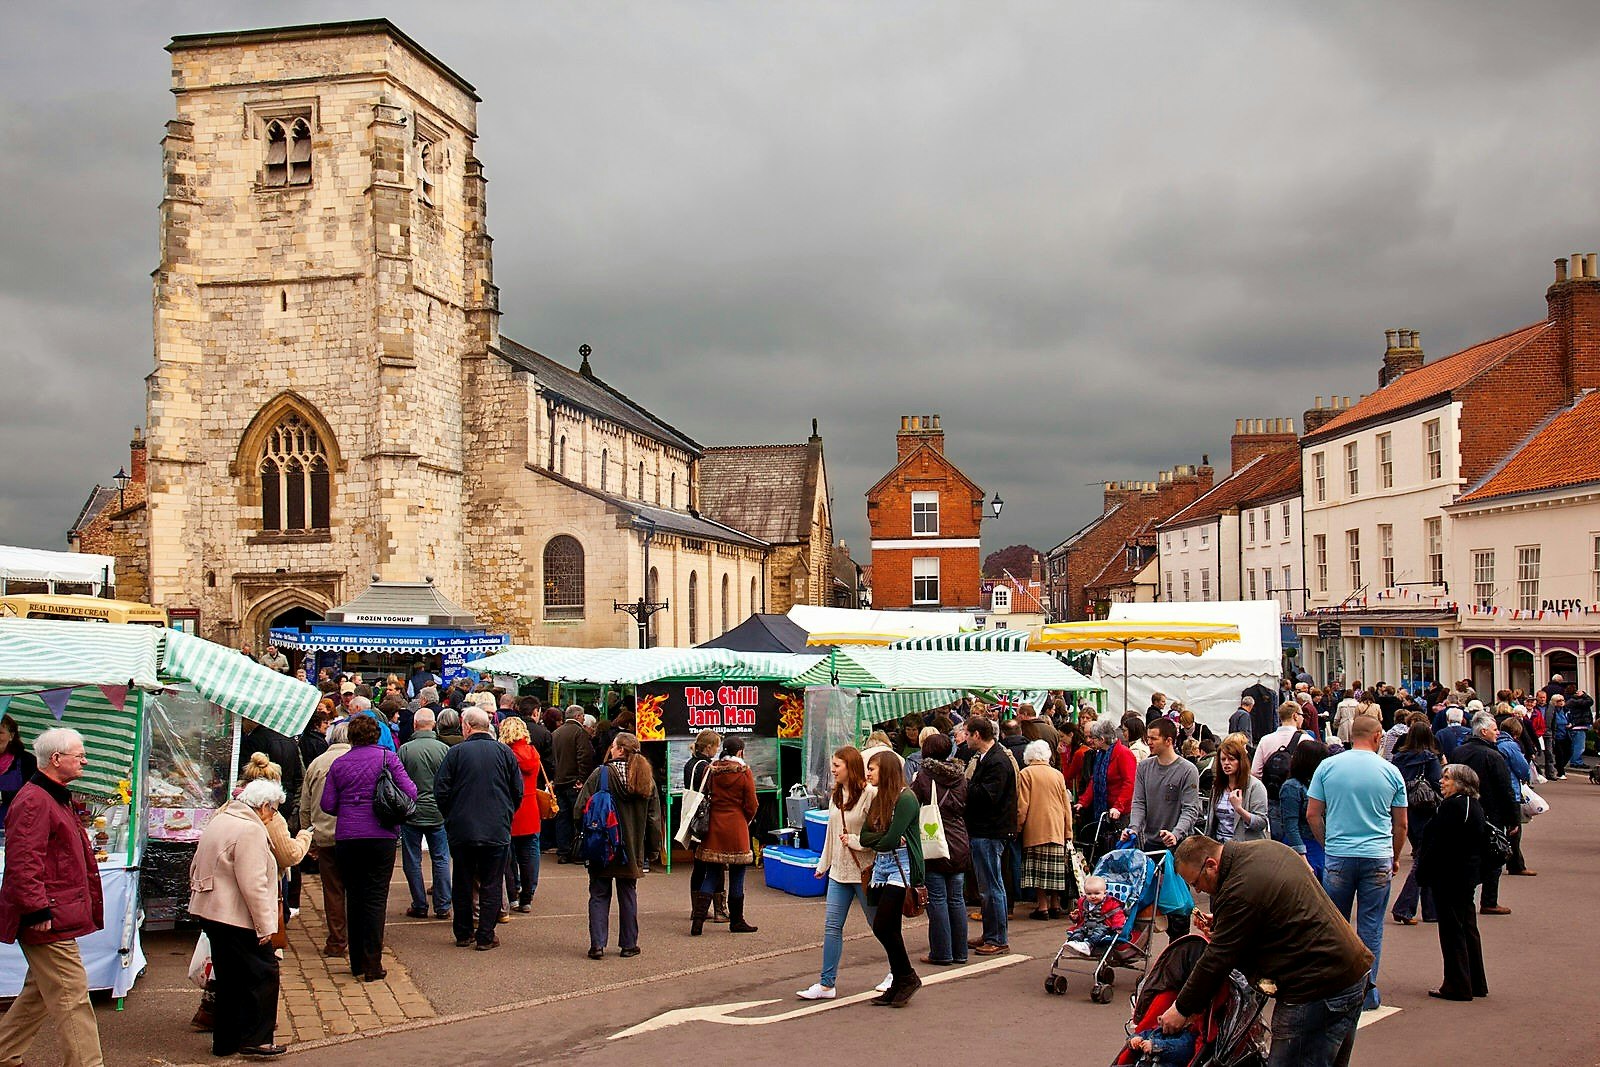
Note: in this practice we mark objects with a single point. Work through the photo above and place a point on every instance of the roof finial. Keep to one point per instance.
(583, 368)
(814, 428)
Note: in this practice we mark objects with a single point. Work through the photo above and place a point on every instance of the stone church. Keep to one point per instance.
(332, 402)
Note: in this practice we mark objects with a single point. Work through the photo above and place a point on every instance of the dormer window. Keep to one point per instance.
(288, 159)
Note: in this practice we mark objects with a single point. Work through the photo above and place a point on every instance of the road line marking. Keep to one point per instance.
(726, 1013)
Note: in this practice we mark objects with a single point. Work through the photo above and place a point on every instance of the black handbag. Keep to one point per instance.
(389, 802)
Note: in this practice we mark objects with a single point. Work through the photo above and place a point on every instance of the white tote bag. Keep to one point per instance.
(693, 797)
(931, 826)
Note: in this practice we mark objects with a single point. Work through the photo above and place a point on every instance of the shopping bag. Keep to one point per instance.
(931, 826)
(1533, 804)
(200, 962)
(692, 830)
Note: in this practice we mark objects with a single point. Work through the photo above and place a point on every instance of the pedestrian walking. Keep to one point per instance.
(421, 756)
(323, 827)
(1044, 825)
(1449, 867)
(1290, 827)
(1497, 795)
(1240, 808)
(891, 831)
(1421, 767)
(49, 897)
(479, 788)
(574, 760)
(522, 864)
(844, 867)
(1357, 806)
(1108, 783)
(1271, 919)
(1510, 743)
(627, 777)
(233, 882)
(363, 846)
(939, 776)
(991, 818)
(731, 793)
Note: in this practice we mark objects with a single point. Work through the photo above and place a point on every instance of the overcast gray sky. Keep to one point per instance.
(1089, 235)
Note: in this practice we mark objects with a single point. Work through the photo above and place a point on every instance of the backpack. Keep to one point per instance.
(1275, 771)
(602, 833)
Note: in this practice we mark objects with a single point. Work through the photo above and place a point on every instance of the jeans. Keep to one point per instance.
(947, 918)
(562, 828)
(1364, 883)
(840, 896)
(1014, 890)
(713, 879)
(986, 853)
(1411, 894)
(480, 875)
(1319, 1033)
(1580, 737)
(600, 911)
(522, 869)
(411, 838)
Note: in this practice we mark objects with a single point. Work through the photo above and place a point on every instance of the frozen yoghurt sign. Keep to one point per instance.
(683, 709)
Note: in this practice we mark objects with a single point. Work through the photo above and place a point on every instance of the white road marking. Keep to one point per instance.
(727, 1013)
(1377, 1015)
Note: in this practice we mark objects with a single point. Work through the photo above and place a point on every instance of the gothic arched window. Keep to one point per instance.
(694, 608)
(724, 603)
(603, 469)
(288, 152)
(563, 578)
(754, 606)
(654, 597)
(295, 478)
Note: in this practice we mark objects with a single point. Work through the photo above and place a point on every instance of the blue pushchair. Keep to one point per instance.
(1145, 883)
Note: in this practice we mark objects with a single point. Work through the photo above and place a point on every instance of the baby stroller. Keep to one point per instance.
(1134, 878)
(1229, 1034)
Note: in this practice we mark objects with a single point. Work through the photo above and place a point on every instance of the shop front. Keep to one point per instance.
(1408, 651)
(1527, 654)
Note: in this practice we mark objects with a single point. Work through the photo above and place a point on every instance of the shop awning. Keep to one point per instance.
(970, 641)
(39, 565)
(881, 668)
(632, 666)
(398, 639)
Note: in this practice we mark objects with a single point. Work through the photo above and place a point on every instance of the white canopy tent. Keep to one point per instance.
(898, 624)
(19, 564)
(1208, 684)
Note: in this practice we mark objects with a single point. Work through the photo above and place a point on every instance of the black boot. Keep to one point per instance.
(736, 924)
(720, 903)
(697, 920)
(905, 990)
(886, 998)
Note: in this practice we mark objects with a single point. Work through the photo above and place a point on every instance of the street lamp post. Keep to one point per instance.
(121, 480)
(996, 504)
(644, 607)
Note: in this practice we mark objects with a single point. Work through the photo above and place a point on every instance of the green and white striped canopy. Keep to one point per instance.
(110, 734)
(968, 641)
(883, 668)
(240, 684)
(632, 666)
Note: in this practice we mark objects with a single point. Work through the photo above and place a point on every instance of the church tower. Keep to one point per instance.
(324, 292)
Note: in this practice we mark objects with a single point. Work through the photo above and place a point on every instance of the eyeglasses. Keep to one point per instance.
(80, 755)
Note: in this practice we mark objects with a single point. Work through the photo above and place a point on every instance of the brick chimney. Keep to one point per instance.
(1315, 418)
(137, 454)
(1402, 354)
(1574, 304)
(1118, 493)
(918, 430)
(1259, 437)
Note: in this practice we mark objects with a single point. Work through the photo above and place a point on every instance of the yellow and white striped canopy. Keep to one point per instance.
(1192, 638)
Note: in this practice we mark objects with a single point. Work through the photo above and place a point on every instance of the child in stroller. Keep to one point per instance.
(1098, 919)
(1228, 1034)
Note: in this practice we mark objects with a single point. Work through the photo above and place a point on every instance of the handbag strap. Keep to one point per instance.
(705, 775)
(933, 791)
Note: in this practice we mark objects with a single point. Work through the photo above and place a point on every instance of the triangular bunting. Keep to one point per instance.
(56, 701)
(117, 694)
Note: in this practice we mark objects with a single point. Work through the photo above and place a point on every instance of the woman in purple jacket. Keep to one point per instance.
(363, 848)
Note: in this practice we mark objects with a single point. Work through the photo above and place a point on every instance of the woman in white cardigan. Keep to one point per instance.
(841, 865)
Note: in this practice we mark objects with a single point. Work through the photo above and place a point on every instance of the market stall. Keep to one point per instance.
(389, 628)
(112, 684)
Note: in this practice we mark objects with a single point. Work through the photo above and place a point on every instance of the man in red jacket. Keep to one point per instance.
(49, 898)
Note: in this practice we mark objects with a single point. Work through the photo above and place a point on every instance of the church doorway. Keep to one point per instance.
(294, 617)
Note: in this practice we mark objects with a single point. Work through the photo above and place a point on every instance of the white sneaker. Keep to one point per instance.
(817, 992)
(294, 913)
(883, 986)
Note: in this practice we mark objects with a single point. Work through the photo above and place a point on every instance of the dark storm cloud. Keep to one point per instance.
(1090, 237)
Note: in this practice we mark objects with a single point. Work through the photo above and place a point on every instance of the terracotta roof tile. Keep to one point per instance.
(760, 489)
(1560, 452)
(1439, 378)
(1267, 474)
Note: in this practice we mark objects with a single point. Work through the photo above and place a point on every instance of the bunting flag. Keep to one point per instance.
(116, 694)
(56, 700)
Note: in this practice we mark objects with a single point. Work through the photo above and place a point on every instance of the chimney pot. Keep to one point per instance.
(1590, 265)
(1388, 337)
(1238, 426)
(1561, 271)
(1577, 264)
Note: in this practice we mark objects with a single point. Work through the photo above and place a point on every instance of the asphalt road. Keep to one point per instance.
(539, 999)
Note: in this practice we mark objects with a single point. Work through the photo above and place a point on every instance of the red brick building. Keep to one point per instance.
(925, 518)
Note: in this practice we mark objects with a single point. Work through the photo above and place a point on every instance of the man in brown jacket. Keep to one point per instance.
(322, 827)
(49, 898)
(574, 760)
(1272, 920)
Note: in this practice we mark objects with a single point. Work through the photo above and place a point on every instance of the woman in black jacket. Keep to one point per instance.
(947, 909)
(1451, 859)
(706, 745)
(1416, 756)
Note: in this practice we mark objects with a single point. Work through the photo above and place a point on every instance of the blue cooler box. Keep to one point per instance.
(793, 870)
(816, 828)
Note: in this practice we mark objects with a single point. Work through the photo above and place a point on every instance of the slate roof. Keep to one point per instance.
(588, 393)
(683, 523)
(760, 489)
(404, 598)
(1249, 482)
(1437, 379)
(1560, 452)
(100, 498)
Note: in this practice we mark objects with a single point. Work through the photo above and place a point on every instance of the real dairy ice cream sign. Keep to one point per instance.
(684, 709)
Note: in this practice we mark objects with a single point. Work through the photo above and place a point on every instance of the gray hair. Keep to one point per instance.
(449, 720)
(1108, 730)
(1454, 715)
(1484, 721)
(58, 740)
(1036, 752)
(589, 721)
(428, 695)
(1465, 777)
(575, 711)
(423, 719)
(339, 733)
(359, 704)
(262, 791)
(475, 719)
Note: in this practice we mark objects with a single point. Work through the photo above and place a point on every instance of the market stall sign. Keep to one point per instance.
(683, 709)
(389, 620)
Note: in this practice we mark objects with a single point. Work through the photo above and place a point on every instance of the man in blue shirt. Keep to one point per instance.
(1452, 735)
(1357, 805)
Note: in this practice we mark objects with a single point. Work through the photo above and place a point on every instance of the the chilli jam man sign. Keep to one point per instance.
(683, 709)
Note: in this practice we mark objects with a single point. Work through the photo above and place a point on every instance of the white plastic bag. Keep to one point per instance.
(200, 963)
(1533, 804)
(930, 824)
